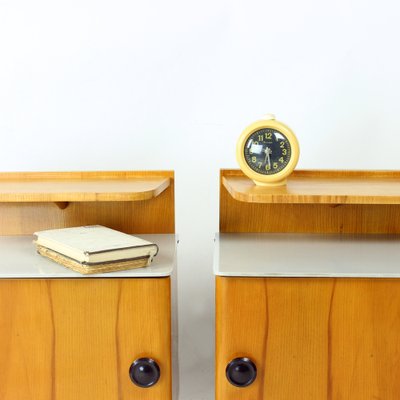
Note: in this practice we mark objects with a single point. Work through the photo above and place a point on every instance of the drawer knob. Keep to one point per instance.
(241, 372)
(144, 372)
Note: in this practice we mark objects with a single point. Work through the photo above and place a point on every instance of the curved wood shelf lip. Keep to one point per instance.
(319, 187)
(63, 188)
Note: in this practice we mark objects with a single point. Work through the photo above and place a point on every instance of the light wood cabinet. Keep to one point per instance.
(308, 308)
(70, 337)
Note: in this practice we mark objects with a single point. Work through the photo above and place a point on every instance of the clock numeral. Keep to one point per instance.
(275, 165)
(267, 167)
(254, 159)
(282, 144)
(255, 142)
(268, 135)
(281, 160)
(260, 138)
(259, 164)
(284, 152)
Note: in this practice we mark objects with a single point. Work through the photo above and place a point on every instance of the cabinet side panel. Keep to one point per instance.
(365, 341)
(85, 312)
(241, 330)
(298, 339)
(27, 363)
(144, 330)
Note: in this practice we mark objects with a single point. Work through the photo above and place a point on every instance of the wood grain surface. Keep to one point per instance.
(319, 187)
(76, 339)
(311, 339)
(82, 186)
(239, 216)
(156, 215)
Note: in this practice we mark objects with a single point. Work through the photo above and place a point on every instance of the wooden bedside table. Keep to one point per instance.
(67, 336)
(307, 288)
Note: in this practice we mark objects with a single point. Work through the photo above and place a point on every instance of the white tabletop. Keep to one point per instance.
(18, 259)
(307, 255)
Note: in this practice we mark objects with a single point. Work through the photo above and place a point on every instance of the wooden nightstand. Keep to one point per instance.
(67, 336)
(307, 288)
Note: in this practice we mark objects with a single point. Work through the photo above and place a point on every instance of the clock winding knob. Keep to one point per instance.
(241, 372)
(144, 372)
(269, 116)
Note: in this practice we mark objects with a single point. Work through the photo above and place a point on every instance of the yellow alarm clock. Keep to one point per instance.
(267, 151)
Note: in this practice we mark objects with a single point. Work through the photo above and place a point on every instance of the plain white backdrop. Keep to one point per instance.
(131, 85)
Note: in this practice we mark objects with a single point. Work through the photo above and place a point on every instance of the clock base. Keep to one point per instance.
(271, 184)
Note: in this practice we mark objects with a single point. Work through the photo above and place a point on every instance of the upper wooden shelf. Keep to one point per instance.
(321, 187)
(82, 186)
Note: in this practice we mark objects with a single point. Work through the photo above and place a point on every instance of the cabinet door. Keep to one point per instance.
(76, 339)
(309, 339)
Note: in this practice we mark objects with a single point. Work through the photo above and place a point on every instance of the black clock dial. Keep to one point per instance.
(267, 151)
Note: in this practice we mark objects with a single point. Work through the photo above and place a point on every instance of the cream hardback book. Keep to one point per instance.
(94, 248)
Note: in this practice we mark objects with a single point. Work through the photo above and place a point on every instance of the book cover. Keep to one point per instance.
(94, 245)
(96, 268)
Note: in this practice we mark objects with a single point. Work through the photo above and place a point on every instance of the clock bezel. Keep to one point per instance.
(274, 179)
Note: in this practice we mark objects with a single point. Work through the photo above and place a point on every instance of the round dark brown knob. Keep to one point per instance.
(241, 372)
(144, 372)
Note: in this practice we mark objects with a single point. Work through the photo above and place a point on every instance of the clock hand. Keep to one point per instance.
(268, 150)
(266, 155)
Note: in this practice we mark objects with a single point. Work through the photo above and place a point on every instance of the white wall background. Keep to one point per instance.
(95, 85)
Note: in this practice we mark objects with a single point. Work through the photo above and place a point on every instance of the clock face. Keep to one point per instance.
(267, 151)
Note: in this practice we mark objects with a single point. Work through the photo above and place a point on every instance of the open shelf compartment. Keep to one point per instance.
(134, 202)
(307, 255)
(20, 260)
